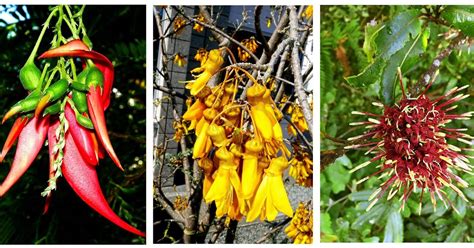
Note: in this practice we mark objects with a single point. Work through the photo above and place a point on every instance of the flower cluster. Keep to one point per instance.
(239, 145)
(250, 44)
(198, 27)
(300, 229)
(411, 140)
(301, 167)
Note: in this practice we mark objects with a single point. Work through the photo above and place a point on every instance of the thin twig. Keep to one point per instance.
(296, 68)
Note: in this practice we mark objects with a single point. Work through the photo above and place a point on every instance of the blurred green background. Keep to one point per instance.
(343, 203)
(118, 32)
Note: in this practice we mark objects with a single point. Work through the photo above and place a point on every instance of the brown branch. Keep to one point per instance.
(275, 229)
(296, 68)
(170, 92)
(281, 68)
(426, 77)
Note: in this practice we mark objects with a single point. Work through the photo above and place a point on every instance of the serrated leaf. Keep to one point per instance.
(371, 31)
(394, 227)
(392, 38)
(461, 17)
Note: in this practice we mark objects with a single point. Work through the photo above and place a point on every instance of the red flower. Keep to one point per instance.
(82, 148)
(411, 140)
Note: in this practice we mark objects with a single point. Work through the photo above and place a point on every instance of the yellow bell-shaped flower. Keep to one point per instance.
(226, 184)
(217, 135)
(203, 143)
(250, 166)
(271, 195)
(207, 70)
(208, 168)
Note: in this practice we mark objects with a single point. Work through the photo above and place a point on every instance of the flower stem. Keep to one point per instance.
(38, 41)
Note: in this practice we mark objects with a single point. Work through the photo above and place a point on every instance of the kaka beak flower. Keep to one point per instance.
(76, 148)
(76, 48)
(84, 181)
(83, 137)
(411, 140)
(97, 99)
(19, 124)
(30, 141)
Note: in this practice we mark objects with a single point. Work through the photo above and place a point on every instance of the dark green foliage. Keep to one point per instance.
(69, 220)
(373, 55)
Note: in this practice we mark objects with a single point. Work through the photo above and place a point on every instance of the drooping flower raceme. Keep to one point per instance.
(71, 116)
(411, 141)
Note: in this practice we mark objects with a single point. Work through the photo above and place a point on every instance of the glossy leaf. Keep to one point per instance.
(460, 17)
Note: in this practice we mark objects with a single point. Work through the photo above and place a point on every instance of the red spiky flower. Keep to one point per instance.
(411, 139)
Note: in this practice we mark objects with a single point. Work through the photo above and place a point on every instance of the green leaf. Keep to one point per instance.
(326, 224)
(371, 31)
(461, 17)
(338, 175)
(393, 38)
(394, 227)
(371, 216)
(456, 234)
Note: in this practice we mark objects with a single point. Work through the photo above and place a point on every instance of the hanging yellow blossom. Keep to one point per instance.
(198, 27)
(250, 166)
(251, 45)
(179, 59)
(300, 229)
(308, 12)
(226, 189)
(208, 169)
(179, 130)
(297, 118)
(207, 70)
(271, 195)
(178, 24)
(301, 168)
(269, 22)
(201, 55)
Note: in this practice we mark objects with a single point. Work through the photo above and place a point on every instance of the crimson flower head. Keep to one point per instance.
(411, 141)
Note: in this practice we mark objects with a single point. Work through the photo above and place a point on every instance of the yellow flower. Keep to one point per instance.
(208, 169)
(179, 60)
(301, 168)
(217, 135)
(207, 70)
(203, 143)
(198, 27)
(179, 130)
(308, 12)
(250, 165)
(251, 45)
(269, 22)
(178, 24)
(180, 203)
(300, 229)
(201, 55)
(297, 118)
(226, 189)
(194, 113)
(271, 195)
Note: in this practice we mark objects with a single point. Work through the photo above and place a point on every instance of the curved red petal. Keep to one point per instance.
(83, 180)
(97, 116)
(83, 137)
(19, 124)
(30, 141)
